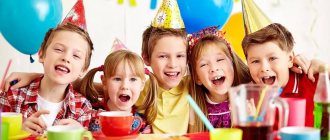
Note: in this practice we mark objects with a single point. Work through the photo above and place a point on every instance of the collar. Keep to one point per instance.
(293, 84)
(33, 89)
(178, 90)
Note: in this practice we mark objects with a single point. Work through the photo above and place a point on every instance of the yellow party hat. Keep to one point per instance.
(168, 16)
(254, 18)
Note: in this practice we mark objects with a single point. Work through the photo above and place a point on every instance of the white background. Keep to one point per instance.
(306, 19)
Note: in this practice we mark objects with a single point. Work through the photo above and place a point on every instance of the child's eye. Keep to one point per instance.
(133, 79)
(202, 65)
(181, 56)
(255, 61)
(76, 56)
(218, 60)
(163, 56)
(272, 58)
(116, 79)
(58, 50)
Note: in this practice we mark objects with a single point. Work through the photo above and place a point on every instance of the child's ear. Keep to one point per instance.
(291, 57)
(104, 82)
(41, 58)
(198, 82)
(145, 60)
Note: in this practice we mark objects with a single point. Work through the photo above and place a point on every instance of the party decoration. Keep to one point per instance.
(25, 22)
(168, 16)
(199, 14)
(153, 4)
(118, 45)
(254, 18)
(234, 33)
(131, 2)
(76, 15)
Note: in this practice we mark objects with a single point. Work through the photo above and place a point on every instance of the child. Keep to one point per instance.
(123, 80)
(164, 49)
(269, 57)
(214, 68)
(65, 55)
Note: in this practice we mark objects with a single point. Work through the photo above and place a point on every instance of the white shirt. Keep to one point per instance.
(53, 109)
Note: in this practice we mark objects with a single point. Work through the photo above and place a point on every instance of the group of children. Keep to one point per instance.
(161, 99)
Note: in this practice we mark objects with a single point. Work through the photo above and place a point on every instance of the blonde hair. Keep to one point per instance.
(68, 27)
(273, 32)
(198, 92)
(149, 40)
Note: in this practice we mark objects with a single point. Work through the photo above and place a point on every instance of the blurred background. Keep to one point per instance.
(126, 20)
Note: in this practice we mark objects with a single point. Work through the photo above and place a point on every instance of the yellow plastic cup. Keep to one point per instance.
(14, 120)
(226, 134)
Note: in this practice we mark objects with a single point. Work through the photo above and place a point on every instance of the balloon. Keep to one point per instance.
(199, 14)
(25, 22)
(234, 33)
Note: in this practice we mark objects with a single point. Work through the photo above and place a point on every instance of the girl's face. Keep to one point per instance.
(168, 61)
(214, 70)
(123, 88)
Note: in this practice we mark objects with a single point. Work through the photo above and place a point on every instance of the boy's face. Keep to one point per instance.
(168, 61)
(214, 70)
(65, 57)
(268, 64)
(123, 88)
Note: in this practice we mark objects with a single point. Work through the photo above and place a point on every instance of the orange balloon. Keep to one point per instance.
(234, 33)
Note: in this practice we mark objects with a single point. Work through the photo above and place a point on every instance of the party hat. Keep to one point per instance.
(168, 16)
(76, 15)
(254, 18)
(118, 45)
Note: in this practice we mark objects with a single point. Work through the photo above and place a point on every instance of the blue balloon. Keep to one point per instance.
(25, 22)
(199, 14)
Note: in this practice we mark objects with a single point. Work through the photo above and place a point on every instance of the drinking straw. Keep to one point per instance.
(262, 96)
(5, 74)
(264, 109)
(200, 113)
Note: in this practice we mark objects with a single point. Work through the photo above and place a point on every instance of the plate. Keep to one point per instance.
(100, 136)
(21, 135)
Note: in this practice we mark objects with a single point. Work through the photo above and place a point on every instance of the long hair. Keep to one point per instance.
(149, 40)
(198, 92)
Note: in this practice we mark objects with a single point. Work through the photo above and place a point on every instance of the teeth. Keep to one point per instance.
(171, 73)
(62, 68)
(217, 77)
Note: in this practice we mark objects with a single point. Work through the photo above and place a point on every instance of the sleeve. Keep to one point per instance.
(5, 99)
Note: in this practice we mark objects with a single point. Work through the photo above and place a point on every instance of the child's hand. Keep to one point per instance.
(34, 124)
(68, 122)
(300, 64)
(22, 78)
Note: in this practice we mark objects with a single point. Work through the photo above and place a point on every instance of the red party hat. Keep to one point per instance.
(76, 15)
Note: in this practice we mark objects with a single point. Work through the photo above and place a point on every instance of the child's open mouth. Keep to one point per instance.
(218, 80)
(124, 97)
(172, 74)
(269, 80)
(62, 69)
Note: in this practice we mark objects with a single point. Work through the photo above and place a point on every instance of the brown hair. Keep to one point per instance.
(149, 40)
(273, 32)
(198, 92)
(68, 27)
(151, 36)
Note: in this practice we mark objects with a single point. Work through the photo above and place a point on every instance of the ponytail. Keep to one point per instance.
(87, 87)
(150, 101)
